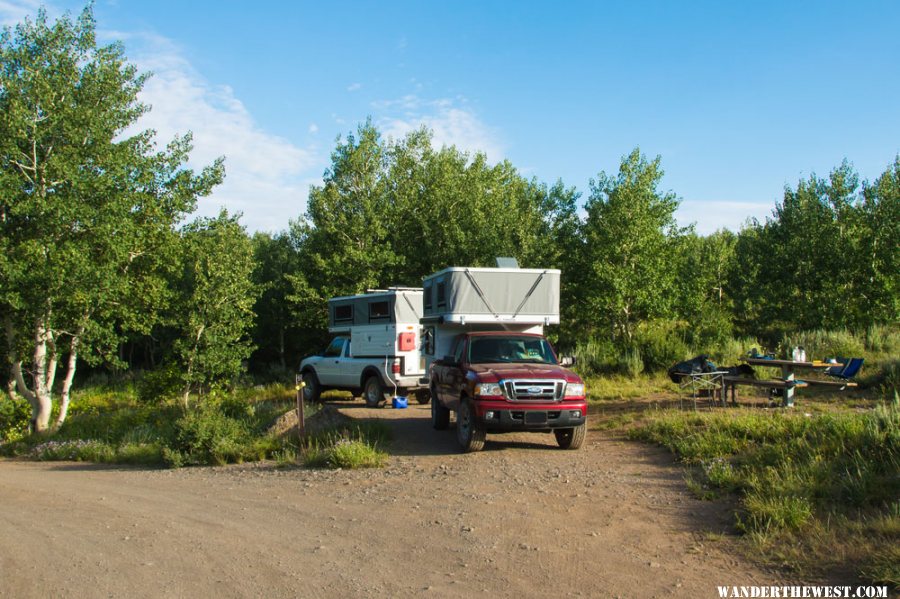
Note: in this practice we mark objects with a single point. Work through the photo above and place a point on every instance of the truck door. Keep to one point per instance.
(451, 376)
(328, 369)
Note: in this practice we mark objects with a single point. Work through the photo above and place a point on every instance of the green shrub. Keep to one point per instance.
(631, 363)
(883, 339)
(205, 435)
(660, 345)
(146, 454)
(730, 351)
(596, 356)
(15, 418)
(355, 454)
(160, 385)
(712, 327)
(351, 447)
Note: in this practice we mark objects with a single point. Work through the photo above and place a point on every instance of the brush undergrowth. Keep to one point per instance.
(115, 424)
(815, 491)
(350, 447)
(112, 424)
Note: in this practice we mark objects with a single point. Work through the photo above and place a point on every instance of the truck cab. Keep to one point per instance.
(501, 381)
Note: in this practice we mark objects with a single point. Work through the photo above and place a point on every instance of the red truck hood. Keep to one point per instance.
(491, 373)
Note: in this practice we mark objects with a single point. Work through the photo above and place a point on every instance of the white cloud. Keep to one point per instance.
(354, 87)
(452, 123)
(313, 128)
(265, 175)
(712, 215)
(15, 11)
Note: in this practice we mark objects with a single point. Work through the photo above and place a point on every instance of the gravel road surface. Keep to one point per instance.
(520, 519)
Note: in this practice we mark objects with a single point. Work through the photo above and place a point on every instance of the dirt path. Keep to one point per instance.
(521, 519)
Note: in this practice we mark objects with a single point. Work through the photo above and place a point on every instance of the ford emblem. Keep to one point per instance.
(534, 390)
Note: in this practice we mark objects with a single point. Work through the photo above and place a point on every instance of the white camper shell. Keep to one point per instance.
(461, 299)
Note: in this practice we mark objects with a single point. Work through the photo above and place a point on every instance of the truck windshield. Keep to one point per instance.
(530, 350)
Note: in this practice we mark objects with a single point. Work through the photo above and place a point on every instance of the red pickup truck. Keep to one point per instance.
(499, 382)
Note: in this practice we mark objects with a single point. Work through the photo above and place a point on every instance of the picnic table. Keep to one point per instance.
(787, 382)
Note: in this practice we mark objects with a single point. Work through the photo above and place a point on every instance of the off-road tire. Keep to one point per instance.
(571, 438)
(312, 391)
(469, 432)
(373, 392)
(440, 415)
(423, 397)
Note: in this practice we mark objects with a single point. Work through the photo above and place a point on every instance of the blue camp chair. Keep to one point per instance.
(847, 371)
(836, 371)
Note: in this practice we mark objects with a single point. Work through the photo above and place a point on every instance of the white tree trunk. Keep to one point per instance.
(13, 359)
(43, 401)
(67, 384)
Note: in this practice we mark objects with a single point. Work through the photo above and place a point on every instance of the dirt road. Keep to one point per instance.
(521, 519)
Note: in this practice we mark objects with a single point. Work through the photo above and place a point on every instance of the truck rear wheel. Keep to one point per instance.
(571, 438)
(440, 415)
(312, 390)
(469, 432)
(374, 393)
(423, 397)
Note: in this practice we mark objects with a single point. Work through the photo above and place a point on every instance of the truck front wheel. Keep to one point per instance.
(374, 392)
(312, 390)
(440, 415)
(469, 432)
(571, 438)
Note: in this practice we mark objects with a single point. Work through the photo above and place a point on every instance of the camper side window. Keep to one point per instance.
(441, 294)
(343, 313)
(379, 310)
(428, 341)
(426, 297)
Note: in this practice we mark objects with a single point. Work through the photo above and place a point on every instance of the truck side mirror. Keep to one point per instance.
(567, 361)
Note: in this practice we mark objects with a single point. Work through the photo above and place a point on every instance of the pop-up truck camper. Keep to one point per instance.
(488, 360)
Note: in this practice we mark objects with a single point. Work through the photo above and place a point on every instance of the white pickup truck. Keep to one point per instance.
(376, 379)
(376, 352)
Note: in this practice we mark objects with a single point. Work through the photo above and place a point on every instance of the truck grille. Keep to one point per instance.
(534, 390)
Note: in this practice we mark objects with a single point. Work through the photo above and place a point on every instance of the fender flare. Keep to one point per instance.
(366, 373)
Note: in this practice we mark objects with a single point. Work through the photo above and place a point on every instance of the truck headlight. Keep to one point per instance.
(575, 390)
(488, 389)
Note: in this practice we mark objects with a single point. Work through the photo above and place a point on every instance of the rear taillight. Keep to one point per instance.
(395, 367)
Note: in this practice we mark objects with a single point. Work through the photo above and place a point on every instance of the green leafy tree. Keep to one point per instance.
(86, 212)
(450, 208)
(214, 311)
(799, 265)
(703, 300)
(344, 233)
(390, 213)
(275, 258)
(630, 238)
(876, 272)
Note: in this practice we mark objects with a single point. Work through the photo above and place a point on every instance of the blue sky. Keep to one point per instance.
(739, 99)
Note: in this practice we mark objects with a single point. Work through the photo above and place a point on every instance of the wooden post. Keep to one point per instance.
(301, 419)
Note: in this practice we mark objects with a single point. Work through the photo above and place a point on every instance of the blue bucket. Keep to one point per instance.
(400, 402)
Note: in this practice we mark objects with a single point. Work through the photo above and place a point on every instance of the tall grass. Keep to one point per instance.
(349, 447)
(833, 473)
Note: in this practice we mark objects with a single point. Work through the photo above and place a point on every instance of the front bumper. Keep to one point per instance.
(500, 416)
